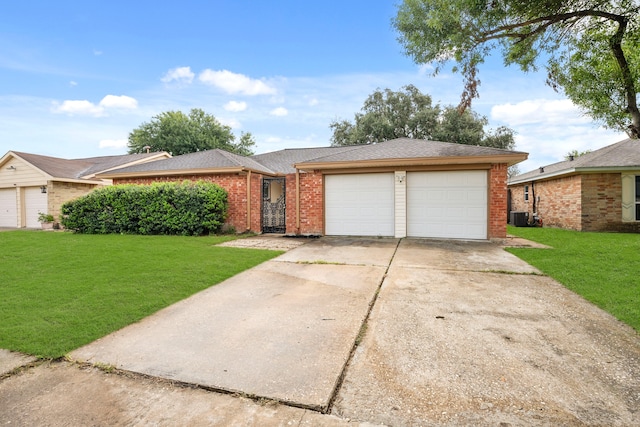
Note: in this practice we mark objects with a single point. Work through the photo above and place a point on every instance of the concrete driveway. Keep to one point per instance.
(455, 333)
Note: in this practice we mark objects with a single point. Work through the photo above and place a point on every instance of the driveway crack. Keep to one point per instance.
(361, 333)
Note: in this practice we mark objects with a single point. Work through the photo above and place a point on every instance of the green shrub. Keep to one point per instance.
(187, 208)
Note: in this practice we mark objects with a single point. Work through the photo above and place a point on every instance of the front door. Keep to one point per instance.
(273, 205)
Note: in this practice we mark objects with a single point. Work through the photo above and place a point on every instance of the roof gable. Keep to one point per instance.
(406, 149)
(201, 161)
(624, 154)
(56, 168)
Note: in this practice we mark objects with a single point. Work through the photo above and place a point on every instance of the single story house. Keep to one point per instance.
(402, 187)
(30, 183)
(598, 191)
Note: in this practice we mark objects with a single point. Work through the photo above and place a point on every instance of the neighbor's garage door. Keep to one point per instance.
(447, 204)
(35, 201)
(359, 204)
(8, 208)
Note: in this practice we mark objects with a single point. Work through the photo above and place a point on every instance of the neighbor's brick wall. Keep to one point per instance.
(559, 205)
(311, 203)
(591, 202)
(498, 201)
(61, 192)
(601, 201)
(236, 186)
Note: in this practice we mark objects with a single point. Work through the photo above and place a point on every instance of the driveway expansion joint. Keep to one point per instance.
(361, 332)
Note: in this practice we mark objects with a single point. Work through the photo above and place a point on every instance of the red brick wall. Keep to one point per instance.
(311, 203)
(601, 201)
(256, 203)
(236, 186)
(498, 201)
(290, 200)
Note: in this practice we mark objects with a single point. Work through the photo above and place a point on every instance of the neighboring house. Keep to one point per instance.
(30, 183)
(396, 188)
(598, 191)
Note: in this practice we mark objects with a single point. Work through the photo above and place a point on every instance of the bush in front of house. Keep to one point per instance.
(187, 208)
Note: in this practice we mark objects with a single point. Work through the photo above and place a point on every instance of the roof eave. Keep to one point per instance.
(178, 172)
(157, 156)
(573, 171)
(509, 159)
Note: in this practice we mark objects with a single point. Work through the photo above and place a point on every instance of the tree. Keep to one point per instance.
(575, 153)
(573, 36)
(409, 113)
(177, 133)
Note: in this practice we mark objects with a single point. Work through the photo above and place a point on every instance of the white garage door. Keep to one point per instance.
(447, 204)
(8, 208)
(359, 205)
(35, 201)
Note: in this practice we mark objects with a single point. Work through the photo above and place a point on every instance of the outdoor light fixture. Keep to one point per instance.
(43, 189)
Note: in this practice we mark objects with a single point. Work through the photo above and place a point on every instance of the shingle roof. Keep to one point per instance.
(78, 168)
(207, 160)
(406, 148)
(282, 161)
(623, 154)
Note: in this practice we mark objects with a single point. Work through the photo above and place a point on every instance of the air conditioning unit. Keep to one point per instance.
(519, 219)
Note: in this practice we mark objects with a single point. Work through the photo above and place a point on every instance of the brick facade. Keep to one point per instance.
(311, 203)
(236, 187)
(498, 201)
(58, 193)
(587, 202)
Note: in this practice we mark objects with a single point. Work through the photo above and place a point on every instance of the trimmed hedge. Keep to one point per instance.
(188, 208)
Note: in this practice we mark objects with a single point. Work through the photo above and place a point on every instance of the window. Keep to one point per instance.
(526, 192)
(637, 198)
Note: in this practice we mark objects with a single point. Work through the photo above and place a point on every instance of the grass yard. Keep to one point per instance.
(59, 291)
(602, 267)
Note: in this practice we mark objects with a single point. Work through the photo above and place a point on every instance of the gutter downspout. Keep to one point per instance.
(249, 201)
(297, 201)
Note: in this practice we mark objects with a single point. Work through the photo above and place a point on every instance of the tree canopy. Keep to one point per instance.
(590, 47)
(178, 133)
(409, 113)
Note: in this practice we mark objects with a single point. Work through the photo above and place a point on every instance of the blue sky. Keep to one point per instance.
(77, 76)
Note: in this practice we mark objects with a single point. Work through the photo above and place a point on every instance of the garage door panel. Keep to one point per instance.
(35, 201)
(449, 204)
(359, 204)
(8, 208)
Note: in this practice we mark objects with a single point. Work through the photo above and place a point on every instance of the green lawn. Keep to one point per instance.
(59, 291)
(602, 267)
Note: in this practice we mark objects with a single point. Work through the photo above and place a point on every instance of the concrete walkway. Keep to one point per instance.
(283, 330)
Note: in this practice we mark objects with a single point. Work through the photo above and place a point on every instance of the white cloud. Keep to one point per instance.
(182, 75)
(235, 106)
(546, 111)
(79, 107)
(280, 112)
(313, 102)
(122, 101)
(73, 83)
(232, 123)
(113, 143)
(235, 83)
(97, 52)
(87, 108)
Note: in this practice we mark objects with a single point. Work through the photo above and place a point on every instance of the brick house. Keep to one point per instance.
(598, 191)
(30, 183)
(398, 188)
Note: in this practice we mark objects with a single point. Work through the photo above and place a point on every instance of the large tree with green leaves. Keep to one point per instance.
(178, 133)
(590, 47)
(409, 113)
